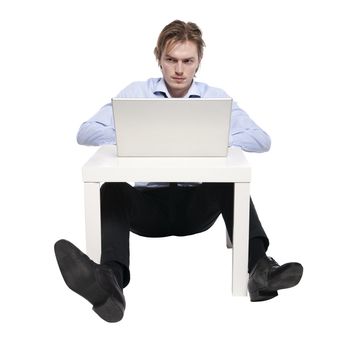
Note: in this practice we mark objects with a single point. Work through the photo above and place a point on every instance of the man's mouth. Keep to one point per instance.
(178, 79)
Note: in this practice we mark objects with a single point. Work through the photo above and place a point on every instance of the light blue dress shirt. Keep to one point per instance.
(244, 133)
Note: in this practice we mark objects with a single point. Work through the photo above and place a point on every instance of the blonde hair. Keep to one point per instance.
(179, 31)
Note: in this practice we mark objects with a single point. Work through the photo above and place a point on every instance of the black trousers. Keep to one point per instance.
(165, 211)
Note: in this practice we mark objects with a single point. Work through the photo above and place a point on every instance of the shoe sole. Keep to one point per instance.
(262, 295)
(74, 267)
(111, 310)
(289, 276)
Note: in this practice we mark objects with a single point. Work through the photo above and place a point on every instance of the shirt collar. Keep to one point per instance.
(161, 89)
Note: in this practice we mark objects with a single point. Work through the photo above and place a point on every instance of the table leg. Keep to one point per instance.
(240, 239)
(93, 220)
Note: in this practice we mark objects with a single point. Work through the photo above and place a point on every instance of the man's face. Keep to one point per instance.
(179, 64)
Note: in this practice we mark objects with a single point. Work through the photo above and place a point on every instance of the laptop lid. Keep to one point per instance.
(172, 127)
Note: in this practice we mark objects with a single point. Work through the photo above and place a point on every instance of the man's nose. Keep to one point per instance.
(179, 68)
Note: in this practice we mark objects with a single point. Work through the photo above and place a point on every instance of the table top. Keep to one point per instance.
(106, 166)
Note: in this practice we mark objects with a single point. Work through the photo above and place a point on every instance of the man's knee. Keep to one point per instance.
(113, 188)
(219, 189)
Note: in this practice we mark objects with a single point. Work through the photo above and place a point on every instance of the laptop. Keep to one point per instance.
(172, 127)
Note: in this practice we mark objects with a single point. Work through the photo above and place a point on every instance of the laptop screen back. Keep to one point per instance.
(173, 127)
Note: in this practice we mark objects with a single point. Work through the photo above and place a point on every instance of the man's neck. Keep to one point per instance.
(177, 93)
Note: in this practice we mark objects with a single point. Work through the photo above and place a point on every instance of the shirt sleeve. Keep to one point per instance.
(98, 130)
(244, 133)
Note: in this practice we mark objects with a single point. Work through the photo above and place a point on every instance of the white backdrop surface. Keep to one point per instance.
(285, 62)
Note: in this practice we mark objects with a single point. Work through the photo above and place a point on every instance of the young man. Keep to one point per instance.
(163, 209)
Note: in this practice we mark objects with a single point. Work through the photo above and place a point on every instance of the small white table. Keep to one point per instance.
(105, 166)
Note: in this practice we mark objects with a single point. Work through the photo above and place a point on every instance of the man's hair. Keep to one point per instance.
(179, 31)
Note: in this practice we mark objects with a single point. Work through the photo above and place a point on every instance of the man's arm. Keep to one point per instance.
(246, 134)
(99, 130)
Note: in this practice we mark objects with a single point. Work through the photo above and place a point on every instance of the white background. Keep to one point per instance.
(285, 62)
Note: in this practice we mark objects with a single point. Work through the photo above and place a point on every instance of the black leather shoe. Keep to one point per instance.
(267, 277)
(96, 283)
